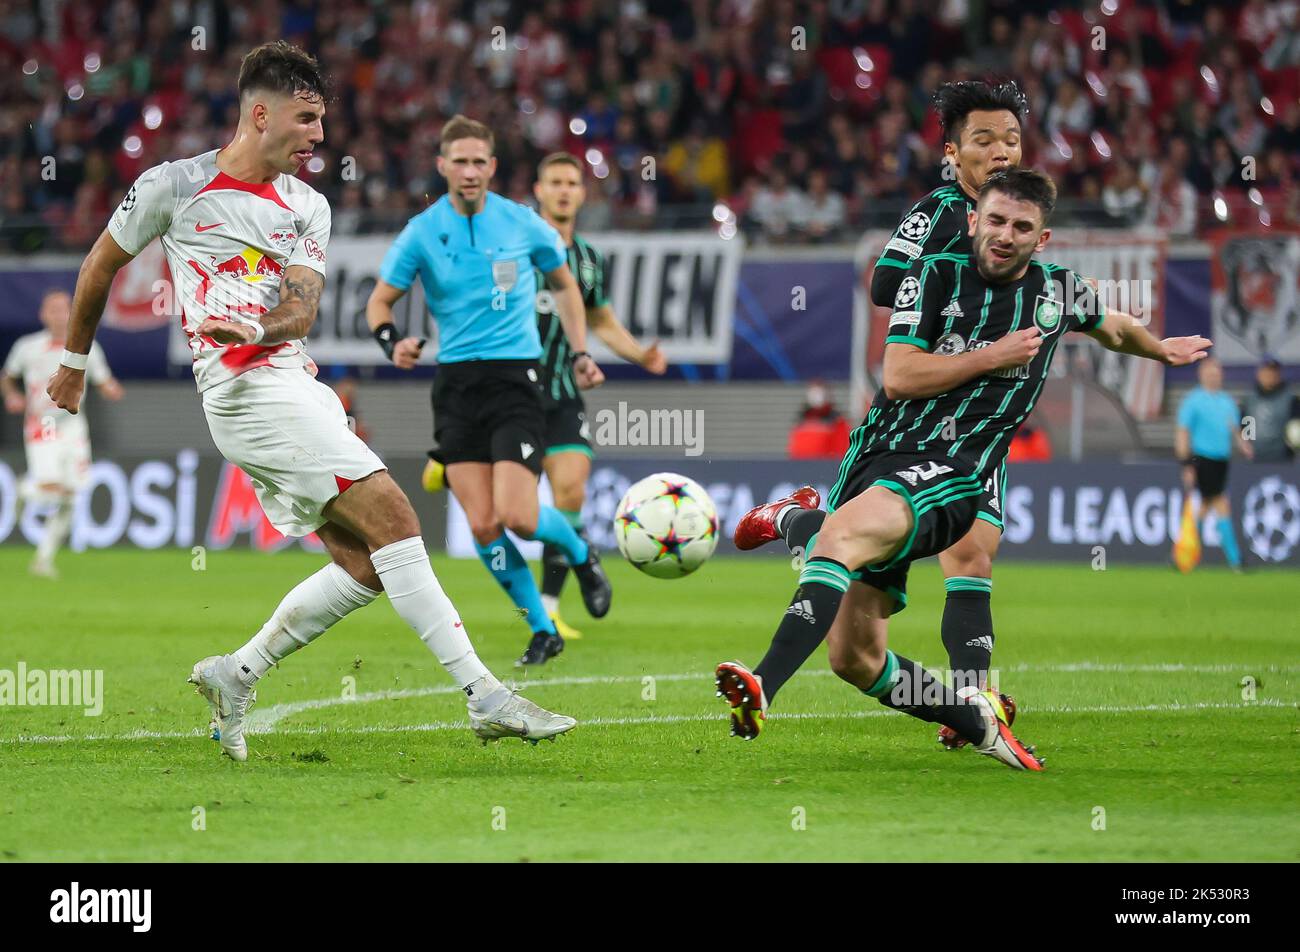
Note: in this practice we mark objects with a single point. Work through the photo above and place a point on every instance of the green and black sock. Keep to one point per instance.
(967, 629)
(906, 686)
(822, 585)
(798, 526)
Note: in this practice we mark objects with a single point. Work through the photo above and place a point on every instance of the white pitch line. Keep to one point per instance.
(263, 720)
(654, 719)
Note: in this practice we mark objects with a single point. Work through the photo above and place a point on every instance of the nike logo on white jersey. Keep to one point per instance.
(201, 228)
(526, 449)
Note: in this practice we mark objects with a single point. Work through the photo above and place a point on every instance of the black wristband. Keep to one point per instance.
(386, 334)
(574, 357)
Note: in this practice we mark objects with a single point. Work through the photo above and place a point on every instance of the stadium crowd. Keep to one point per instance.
(809, 120)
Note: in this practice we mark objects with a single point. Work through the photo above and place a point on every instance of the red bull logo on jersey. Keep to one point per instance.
(283, 238)
(249, 265)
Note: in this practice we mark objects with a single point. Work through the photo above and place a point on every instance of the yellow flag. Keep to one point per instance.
(1187, 550)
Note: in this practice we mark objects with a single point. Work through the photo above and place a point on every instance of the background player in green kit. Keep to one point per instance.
(970, 345)
(560, 193)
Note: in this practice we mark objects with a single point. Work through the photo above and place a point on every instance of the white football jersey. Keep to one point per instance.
(227, 244)
(33, 359)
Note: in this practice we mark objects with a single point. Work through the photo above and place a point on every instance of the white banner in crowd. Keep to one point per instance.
(1255, 301)
(679, 289)
(1129, 274)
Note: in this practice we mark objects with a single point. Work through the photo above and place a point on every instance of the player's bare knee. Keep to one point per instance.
(519, 522)
(570, 499)
(852, 544)
(402, 521)
(975, 563)
(485, 531)
(363, 572)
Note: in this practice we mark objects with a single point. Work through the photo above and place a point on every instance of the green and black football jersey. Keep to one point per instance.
(588, 269)
(946, 307)
(937, 224)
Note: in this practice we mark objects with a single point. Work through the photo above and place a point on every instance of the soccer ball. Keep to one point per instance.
(666, 525)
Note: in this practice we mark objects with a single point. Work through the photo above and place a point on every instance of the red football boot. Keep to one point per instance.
(743, 692)
(758, 526)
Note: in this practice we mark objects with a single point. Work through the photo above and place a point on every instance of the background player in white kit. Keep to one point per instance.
(57, 443)
(246, 243)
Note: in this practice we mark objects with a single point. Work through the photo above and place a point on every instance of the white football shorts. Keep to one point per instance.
(289, 433)
(62, 461)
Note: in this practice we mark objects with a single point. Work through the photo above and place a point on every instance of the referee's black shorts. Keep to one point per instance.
(1211, 476)
(489, 411)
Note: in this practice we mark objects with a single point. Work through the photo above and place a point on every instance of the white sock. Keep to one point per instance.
(551, 603)
(311, 607)
(57, 524)
(413, 589)
(780, 516)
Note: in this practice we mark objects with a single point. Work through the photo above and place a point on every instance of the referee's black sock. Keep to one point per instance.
(798, 526)
(822, 585)
(968, 629)
(555, 569)
(555, 565)
(906, 686)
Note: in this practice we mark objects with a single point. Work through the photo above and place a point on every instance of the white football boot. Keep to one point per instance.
(999, 742)
(217, 679)
(517, 716)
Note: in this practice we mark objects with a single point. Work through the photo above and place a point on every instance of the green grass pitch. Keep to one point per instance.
(1130, 682)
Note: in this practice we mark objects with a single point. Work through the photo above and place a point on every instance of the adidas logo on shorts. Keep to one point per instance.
(983, 641)
(802, 609)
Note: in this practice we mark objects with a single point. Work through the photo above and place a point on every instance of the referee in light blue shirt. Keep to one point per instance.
(1209, 422)
(474, 253)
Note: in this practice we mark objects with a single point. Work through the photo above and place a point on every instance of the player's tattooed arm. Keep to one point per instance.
(292, 318)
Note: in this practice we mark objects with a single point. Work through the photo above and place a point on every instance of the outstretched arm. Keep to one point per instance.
(616, 337)
(105, 260)
(1124, 334)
